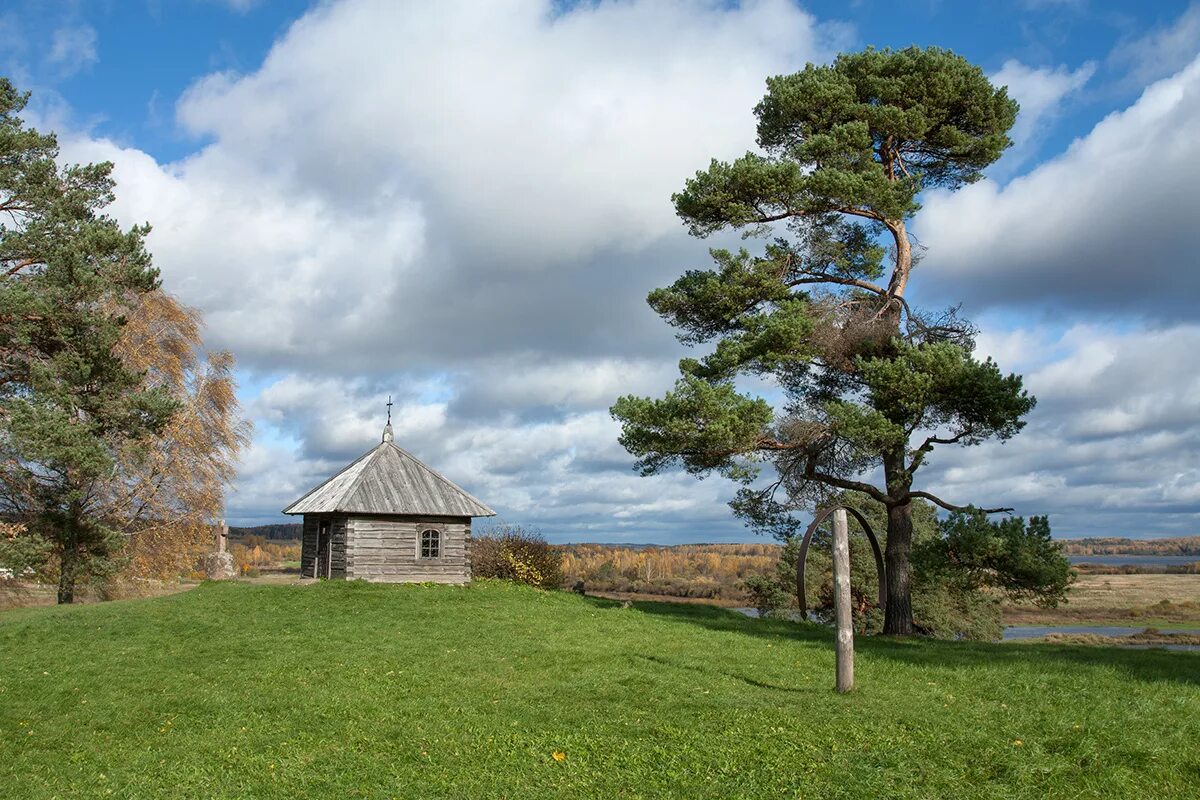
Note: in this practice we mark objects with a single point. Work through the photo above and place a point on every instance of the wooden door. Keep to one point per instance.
(323, 563)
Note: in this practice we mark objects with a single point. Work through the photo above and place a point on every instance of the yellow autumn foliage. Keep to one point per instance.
(167, 492)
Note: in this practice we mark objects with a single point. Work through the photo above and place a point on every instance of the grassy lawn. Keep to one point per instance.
(355, 690)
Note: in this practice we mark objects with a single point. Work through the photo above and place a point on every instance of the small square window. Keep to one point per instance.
(431, 543)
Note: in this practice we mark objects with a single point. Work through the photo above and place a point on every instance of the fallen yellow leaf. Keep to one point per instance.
(559, 755)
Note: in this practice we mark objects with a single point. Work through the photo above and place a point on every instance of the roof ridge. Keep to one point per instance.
(332, 478)
(443, 478)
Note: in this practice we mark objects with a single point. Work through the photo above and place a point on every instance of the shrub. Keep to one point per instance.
(766, 595)
(949, 610)
(960, 568)
(515, 553)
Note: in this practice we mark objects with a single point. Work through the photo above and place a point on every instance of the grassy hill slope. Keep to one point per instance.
(354, 690)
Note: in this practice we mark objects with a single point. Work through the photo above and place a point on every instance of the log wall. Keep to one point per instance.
(386, 549)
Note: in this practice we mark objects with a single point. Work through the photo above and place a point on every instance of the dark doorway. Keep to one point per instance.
(323, 564)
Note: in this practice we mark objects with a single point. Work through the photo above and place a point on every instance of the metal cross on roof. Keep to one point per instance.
(389, 407)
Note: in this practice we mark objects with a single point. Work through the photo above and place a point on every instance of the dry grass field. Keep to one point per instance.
(1153, 600)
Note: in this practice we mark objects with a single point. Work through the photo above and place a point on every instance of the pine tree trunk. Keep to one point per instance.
(898, 619)
(66, 575)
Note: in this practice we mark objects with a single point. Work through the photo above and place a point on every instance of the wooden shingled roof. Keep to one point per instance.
(390, 480)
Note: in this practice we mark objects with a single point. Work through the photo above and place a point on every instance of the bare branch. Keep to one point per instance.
(774, 444)
(867, 213)
(20, 265)
(951, 507)
(818, 277)
(810, 472)
(927, 446)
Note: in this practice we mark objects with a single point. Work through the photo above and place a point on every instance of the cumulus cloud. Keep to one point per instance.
(1111, 446)
(564, 472)
(1106, 226)
(462, 205)
(533, 384)
(400, 183)
(281, 274)
(1041, 93)
(545, 135)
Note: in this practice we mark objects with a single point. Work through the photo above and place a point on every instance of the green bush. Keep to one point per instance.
(515, 553)
(962, 566)
(952, 611)
(767, 596)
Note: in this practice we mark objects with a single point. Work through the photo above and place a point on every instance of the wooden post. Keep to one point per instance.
(841, 601)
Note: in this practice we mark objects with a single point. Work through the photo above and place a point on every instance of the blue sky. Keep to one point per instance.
(464, 206)
(148, 53)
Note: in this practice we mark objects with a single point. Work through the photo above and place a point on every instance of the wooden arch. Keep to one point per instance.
(822, 515)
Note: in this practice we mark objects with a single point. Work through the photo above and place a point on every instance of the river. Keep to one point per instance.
(1018, 632)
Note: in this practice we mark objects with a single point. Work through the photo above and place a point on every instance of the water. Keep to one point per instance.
(1146, 561)
(1035, 631)
(792, 614)
(1017, 632)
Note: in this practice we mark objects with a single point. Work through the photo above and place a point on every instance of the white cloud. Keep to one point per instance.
(464, 204)
(72, 48)
(545, 135)
(282, 274)
(1110, 447)
(532, 382)
(1108, 225)
(1160, 52)
(1041, 93)
(565, 473)
(404, 183)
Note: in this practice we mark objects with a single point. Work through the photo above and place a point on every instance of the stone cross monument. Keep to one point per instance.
(218, 565)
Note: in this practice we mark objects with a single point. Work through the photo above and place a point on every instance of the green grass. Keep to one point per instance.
(355, 690)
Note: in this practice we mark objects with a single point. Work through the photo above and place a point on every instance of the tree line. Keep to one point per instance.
(1117, 546)
(118, 431)
(290, 531)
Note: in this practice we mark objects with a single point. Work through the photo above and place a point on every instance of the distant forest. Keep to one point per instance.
(588, 552)
(1178, 546)
(289, 531)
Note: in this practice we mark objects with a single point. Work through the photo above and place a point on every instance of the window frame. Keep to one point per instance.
(440, 542)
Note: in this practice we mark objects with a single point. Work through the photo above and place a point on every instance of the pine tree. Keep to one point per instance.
(67, 400)
(869, 382)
